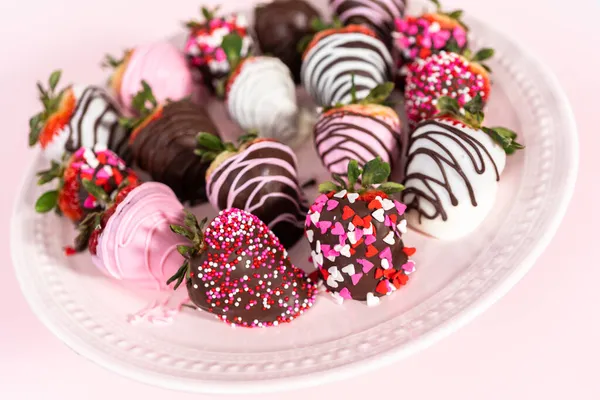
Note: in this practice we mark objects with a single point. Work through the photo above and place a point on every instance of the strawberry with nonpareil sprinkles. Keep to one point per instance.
(261, 177)
(160, 64)
(163, 140)
(430, 33)
(453, 169)
(72, 197)
(361, 130)
(73, 117)
(260, 93)
(237, 269)
(461, 77)
(131, 240)
(356, 235)
(204, 46)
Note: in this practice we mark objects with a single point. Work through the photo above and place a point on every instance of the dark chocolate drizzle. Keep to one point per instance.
(475, 150)
(279, 27)
(165, 149)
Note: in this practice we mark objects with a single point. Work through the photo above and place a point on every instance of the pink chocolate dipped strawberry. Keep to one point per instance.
(420, 37)
(204, 49)
(160, 64)
(132, 241)
(360, 130)
(461, 77)
(356, 235)
(237, 269)
(72, 197)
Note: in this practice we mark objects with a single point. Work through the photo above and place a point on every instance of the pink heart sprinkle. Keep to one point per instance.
(322, 199)
(386, 253)
(308, 221)
(345, 293)
(338, 229)
(400, 207)
(324, 225)
(366, 264)
(358, 234)
(331, 204)
(343, 238)
(370, 239)
(355, 278)
(317, 207)
(388, 221)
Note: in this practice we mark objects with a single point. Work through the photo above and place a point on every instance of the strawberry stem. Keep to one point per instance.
(144, 103)
(373, 176)
(210, 146)
(51, 101)
(193, 231)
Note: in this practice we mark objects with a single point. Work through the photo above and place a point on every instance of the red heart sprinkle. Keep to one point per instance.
(409, 251)
(394, 218)
(379, 273)
(374, 205)
(358, 221)
(382, 287)
(348, 213)
(371, 251)
(355, 245)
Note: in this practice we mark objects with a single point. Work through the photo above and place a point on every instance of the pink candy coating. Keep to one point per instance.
(137, 244)
(165, 69)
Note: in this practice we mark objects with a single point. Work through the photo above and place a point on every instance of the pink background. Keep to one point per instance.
(540, 341)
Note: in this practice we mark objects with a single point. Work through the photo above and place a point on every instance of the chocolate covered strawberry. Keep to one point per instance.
(453, 170)
(260, 93)
(73, 117)
(204, 45)
(132, 240)
(161, 64)
(420, 37)
(334, 55)
(72, 197)
(458, 76)
(260, 177)
(163, 140)
(237, 269)
(356, 235)
(361, 130)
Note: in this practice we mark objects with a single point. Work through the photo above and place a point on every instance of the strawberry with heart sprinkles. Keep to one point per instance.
(238, 270)
(356, 235)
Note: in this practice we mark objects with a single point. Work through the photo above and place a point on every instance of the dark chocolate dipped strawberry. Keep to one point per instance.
(356, 234)
(72, 197)
(458, 76)
(361, 130)
(260, 93)
(260, 177)
(334, 55)
(418, 37)
(280, 26)
(237, 269)
(204, 49)
(74, 117)
(163, 141)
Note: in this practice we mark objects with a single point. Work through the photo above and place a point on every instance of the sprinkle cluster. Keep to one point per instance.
(443, 74)
(104, 168)
(357, 236)
(246, 276)
(203, 47)
(420, 37)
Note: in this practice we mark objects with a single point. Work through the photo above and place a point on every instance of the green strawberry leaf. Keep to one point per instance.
(375, 171)
(483, 54)
(47, 202)
(505, 138)
(327, 187)
(95, 190)
(391, 187)
(379, 94)
(54, 78)
(232, 46)
(457, 14)
(183, 231)
(354, 173)
(210, 142)
(448, 105)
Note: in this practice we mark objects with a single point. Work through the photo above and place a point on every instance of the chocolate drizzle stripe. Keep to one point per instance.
(444, 159)
(328, 67)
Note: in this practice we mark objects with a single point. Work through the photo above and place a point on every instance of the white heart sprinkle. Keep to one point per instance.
(385, 264)
(318, 247)
(352, 197)
(340, 195)
(332, 282)
(402, 226)
(345, 251)
(351, 227)
(372, 300)
(389, 239)
(379, 215)
(310, 235)
(314, 217)
(349, 269)
(337, 298)
(317, 259)
(331, 258)
(387, 204)
(368, 231)
(333, 272)
(352, 237)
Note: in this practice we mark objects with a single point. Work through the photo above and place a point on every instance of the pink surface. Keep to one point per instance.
(539, 342)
